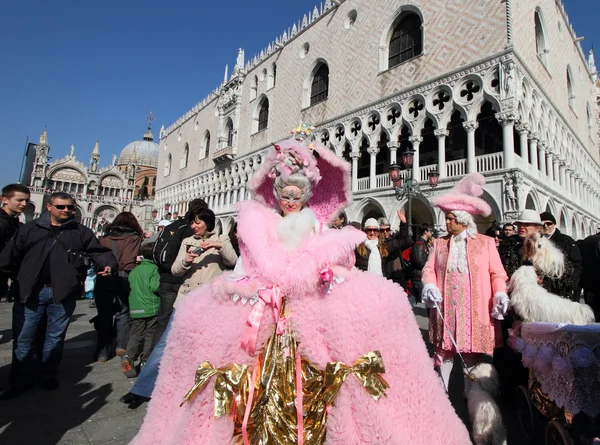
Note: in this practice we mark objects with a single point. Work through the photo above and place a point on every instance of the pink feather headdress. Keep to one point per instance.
(465, 196)
(329, 176)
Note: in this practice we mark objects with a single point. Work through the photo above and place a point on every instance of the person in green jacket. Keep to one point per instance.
(144, 301)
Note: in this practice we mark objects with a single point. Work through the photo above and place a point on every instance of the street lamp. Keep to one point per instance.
(411, 186)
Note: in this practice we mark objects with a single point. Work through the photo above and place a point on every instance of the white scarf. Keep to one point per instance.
(374, 257)
(457, 261)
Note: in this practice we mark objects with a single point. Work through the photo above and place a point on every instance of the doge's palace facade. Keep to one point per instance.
(472, 85)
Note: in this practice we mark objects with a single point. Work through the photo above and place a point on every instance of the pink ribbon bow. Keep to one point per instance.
(273, 297)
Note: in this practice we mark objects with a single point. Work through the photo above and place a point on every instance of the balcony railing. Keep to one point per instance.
(456, 168)
(488, 163)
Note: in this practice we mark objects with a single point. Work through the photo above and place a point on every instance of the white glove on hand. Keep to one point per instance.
(431, 295)
(501, 305)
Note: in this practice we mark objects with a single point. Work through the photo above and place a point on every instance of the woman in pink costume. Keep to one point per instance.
(295, 326)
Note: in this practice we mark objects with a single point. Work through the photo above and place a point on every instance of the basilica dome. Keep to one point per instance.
(142, 153)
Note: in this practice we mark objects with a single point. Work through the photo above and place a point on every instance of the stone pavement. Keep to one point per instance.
(86, 409)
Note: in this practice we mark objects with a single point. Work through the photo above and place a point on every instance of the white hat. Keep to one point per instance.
(529, 216)
(371, 222)
(164, 223)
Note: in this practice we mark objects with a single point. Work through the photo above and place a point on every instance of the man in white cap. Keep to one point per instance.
(464, 281)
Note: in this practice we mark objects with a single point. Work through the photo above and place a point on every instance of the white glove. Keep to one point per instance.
(431, 295)
(501, 305)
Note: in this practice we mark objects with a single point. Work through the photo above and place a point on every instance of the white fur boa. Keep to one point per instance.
(293, 228)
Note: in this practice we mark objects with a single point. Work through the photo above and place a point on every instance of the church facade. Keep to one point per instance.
(501, 88)
(126, 184)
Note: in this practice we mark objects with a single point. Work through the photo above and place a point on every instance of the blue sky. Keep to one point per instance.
(93, 69)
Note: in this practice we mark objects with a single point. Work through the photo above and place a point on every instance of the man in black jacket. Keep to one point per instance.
(418, 258)
(15, 198)
(567, 245)
(48, 258)
(590, 252)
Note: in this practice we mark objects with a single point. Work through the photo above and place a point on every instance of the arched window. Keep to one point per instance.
(229, 133)
(319, 90)
(272, 79)
(207, 144)
(540, 39)
(254, 88)
(406, 41)
(168, 165)
(570, 88)
(184, 157)
(263, 115)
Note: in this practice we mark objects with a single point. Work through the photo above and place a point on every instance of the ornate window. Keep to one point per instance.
(319, 90)
(184, 157)
(263, 115)
(206, 144)
(229, 133)
(272, 79)
(168, 165)
(570, 88)
(254, 88)
(541, 48)
(406, 41)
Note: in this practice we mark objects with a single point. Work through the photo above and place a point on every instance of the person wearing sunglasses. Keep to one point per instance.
(371, 255)
(567, 245)
(49, 258)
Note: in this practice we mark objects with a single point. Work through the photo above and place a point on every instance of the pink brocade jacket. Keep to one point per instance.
(487, 277)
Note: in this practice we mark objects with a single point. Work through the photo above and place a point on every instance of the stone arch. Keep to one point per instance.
(366, 208)
(485, 222)
(307, 86)
(30, 211)
(532, 201)
(263, 100)
(562, 221)
(388, 30)
(219, 226)
(421, 212)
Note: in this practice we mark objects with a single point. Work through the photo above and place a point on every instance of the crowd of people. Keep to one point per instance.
(269, 308)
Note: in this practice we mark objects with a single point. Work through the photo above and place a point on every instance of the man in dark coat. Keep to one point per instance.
(590, 252)
(418, 258)
(48, 258)
(567, 245)
(15, 198)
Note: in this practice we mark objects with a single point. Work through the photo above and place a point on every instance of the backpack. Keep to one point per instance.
(167, 245)
(407, 266)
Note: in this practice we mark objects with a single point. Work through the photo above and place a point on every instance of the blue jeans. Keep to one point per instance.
(27, 319)
(144, 385)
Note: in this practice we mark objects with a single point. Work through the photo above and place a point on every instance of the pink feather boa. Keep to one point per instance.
(362, 314)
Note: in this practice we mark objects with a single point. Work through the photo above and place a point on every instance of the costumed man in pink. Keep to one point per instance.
(465, 279)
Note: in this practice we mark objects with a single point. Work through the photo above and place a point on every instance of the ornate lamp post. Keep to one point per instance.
(411, 186)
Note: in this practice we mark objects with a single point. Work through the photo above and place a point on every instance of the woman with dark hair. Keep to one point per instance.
(123, 237)
(204, 255)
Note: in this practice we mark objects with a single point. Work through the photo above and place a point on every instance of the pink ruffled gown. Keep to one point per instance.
(363, 313)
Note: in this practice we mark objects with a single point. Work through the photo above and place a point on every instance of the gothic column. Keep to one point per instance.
(555, 168)
(416, 141)
(533, 150)
(507, 120)
(562, 173)
(542, 147)
(393, 153)
(549, 166)
(470, 128)
(355, 155)
(441, 134)
(523, 130)
(373, 151)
